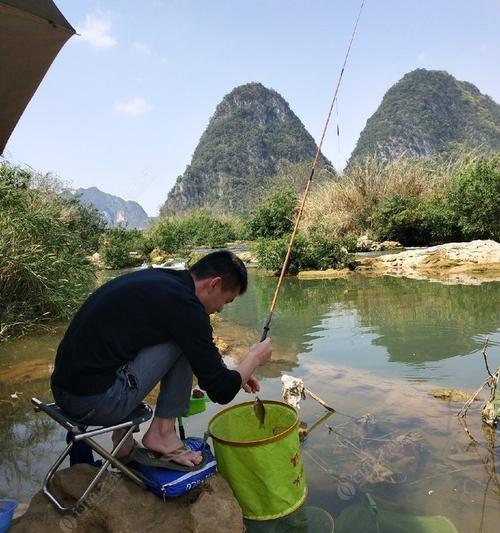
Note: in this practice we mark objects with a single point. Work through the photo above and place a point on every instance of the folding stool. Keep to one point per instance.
(80, 432)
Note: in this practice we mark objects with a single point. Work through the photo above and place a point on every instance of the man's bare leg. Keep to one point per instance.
(161, 437)
(127, 445)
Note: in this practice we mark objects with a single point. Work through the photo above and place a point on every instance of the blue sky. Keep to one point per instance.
(124, 105)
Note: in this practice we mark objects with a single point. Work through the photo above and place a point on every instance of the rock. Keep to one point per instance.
(117, 505)
(157, 257)
(193, 258)
(452, 395)
(364, 244)
(246, 257)
(221, 345)
(490, 413)
(391, 245)
(135, 259)
(464, 262)
(330, 273)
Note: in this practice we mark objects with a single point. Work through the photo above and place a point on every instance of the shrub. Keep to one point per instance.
(166, 235)
(201, 228)
(439, 221)
(117, 245)
(414, 221)
(88, 222)
(399, 219)
(308, 252)
(274, 216)
(468, 208)
(474, 199)
(44, 241)
(196, 228)
(347, 204)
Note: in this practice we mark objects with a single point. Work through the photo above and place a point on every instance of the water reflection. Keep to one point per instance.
(413, 321)
(344, 337)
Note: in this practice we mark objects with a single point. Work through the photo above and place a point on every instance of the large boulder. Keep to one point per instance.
(463, 262)
(117, 505)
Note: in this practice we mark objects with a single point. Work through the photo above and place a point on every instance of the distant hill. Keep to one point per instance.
(114, 209)
(251, 135)
(429, 112)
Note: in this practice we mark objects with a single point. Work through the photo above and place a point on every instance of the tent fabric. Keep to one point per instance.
(40, 9)
(31, 34)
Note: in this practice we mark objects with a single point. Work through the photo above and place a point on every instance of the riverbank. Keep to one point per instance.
(468, 263)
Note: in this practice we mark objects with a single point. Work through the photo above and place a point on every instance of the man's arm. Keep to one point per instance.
(258, 354)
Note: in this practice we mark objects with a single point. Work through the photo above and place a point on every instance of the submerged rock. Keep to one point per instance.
(365, 244)
(330, 273)
(221, 345)
(117, 505)
(452, 395)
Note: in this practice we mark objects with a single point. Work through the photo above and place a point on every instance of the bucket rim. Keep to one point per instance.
(257, 442)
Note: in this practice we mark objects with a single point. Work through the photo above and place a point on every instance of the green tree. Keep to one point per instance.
(197, 228)
(201, 228)
(166, 234)
(474, 199)
(117, 245)
(311, 252)
(274, 216)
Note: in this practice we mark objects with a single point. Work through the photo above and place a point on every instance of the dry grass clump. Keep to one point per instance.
(344, 206)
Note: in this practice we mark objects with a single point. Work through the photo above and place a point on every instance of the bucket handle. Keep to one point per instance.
(206, 435)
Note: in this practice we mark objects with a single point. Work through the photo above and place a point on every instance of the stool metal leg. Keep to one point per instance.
(110, 459)
(50, 475)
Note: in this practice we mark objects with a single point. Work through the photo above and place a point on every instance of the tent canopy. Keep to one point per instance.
(31, 34)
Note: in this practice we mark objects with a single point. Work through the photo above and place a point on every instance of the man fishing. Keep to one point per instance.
(153, 326)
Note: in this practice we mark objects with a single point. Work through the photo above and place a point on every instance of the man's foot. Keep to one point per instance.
(162, 438)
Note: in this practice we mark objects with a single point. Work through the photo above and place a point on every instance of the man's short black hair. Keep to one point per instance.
(224, 264)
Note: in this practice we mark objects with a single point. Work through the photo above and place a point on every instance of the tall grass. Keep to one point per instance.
(346, 205)
(44, 242)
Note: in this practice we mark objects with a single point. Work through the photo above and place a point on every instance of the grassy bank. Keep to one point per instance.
(413, 201)
(44, 243)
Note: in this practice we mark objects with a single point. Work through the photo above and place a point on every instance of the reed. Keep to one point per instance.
(345, 205)
(44, 243)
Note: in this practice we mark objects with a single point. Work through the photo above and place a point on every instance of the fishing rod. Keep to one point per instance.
(266, 327)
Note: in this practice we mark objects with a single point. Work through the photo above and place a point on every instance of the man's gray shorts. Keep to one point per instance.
(162, 363)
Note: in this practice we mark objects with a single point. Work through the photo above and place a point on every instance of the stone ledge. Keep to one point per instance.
(117, 505)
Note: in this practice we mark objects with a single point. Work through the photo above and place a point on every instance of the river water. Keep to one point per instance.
(374, 349)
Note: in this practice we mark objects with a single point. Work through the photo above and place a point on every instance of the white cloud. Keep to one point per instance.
(141, 48)
(132, 107)
(96, 32)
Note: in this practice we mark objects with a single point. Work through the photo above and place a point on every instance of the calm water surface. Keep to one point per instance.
(372, 348)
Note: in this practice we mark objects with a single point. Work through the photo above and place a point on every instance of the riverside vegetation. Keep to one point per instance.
(44, 243)
(413, 201)
(46, 239)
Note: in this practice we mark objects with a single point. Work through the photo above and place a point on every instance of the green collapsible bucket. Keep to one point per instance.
(262, 465)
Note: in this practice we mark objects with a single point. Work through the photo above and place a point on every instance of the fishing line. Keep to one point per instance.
(308, 184)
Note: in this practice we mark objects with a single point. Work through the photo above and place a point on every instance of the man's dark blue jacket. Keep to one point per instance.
(131, 312)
